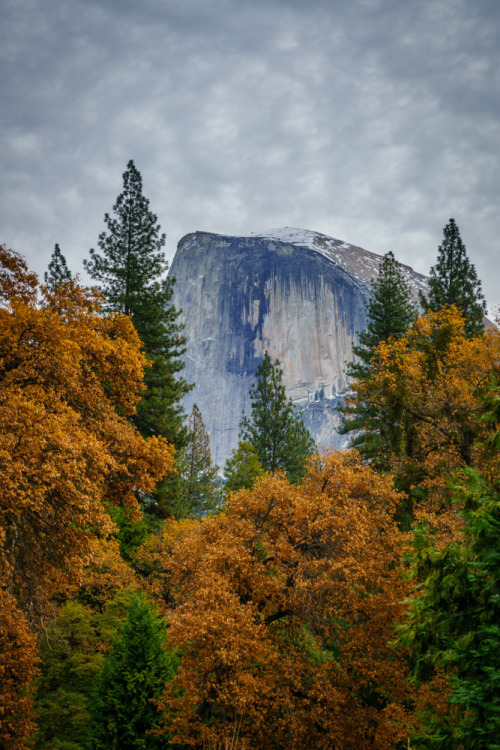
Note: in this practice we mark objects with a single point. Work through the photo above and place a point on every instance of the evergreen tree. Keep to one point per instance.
(71, 651)
(455, 623)
(133, 676)
(200, 486)
(129, 269)
(242, 468)
(276, 433)
(390, 311)
(453, 281)
(132, 257)
(58, 269)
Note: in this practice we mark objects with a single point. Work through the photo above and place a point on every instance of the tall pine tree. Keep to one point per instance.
(58, 270)
(276, 433)
(130, 268)
(390, 311)
(132, 258)
(453, 281)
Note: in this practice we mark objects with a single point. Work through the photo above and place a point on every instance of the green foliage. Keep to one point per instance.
(129, 270)
(453, 281)
(455, 622)
(58, 270)
(131, 257)
(390, 312)
(133, 676)
(200, 485)
(72, 655)
(131, 534)
(276, 433)
(242, 468)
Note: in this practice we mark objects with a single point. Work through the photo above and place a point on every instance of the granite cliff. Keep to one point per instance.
(297, 294)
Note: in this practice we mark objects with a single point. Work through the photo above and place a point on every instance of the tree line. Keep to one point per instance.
(325, 600)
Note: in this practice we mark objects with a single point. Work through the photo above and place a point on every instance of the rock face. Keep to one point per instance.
(297, 294)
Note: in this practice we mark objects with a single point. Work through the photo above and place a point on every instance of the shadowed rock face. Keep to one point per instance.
(296, 294)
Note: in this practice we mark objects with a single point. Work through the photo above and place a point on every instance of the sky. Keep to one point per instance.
(372, 121)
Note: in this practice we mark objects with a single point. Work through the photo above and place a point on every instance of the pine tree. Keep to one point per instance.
(132, 257)
(276, 433)
(134, 674)
(453, 281)
(58, 269)
(130, 269)
(200, 486)
(390, 311)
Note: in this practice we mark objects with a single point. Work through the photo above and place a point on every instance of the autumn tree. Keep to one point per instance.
(69, 380)
(277, 434)
(131, 270)
(133, 675)
(282, 607)
(389, 311)
(453, 281)
(199, 482)
(18, 670)
(425, 393)
(58, 270)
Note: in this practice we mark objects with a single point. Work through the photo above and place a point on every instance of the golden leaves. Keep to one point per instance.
(69, 378)
(282, 607)
(18, 669)
(426, 389)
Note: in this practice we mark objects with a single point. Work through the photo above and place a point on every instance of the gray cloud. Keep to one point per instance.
(374, 121)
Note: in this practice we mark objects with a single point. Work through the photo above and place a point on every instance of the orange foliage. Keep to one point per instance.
(15, 279)
(283, 606)
(69, 381)
(106, 574)
(18, 669)
(429, 386)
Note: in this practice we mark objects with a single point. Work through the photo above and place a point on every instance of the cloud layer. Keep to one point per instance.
(374, 121)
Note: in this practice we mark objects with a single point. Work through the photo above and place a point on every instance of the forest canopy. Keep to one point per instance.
(311, 599)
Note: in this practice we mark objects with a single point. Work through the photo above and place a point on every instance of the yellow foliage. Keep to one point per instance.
(18, 669)
(427, 390)
(282, 607)
(69, 380)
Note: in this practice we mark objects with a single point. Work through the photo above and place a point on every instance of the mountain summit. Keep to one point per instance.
(297, 294)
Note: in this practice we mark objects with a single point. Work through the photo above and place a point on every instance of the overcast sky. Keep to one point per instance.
(372, 121)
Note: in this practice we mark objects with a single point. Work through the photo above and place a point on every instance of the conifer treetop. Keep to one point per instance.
(132, 257)
(453, 281)
(58, 270)
(390, 311)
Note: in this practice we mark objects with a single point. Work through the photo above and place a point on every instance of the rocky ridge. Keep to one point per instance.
(298, 294)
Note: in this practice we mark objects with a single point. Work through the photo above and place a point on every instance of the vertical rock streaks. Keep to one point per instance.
(241, 296)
